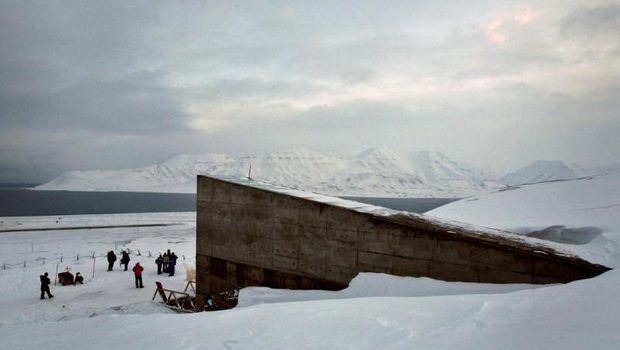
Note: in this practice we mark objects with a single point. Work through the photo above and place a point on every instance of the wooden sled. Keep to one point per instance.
(191, 285)
(174, 299)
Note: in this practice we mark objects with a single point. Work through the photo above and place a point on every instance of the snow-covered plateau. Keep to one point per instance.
(372, 173)
(376, 312)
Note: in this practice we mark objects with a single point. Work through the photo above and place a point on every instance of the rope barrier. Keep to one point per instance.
(58, 260)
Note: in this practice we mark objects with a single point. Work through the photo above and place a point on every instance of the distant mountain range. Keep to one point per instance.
(374, 172)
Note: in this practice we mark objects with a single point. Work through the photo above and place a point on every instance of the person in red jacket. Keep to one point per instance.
(137, 271)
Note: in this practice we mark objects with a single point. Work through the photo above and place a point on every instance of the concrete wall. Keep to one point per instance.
(251, 236)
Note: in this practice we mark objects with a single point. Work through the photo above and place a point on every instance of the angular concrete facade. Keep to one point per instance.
(255, 234)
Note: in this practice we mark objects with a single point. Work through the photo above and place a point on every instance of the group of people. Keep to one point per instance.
(137, 268)
(112, 258)
(166, 263)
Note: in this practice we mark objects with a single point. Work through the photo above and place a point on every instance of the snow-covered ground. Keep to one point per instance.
(376, 312)
(108, 292)
(583, 215)
(543, 170)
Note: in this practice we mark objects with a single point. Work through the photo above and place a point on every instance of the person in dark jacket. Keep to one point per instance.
(111, 260)
(159, 261)
(78, 279)
(172, 264)
(165, 261)
(45, 286)
(125, 259)
(137, 271)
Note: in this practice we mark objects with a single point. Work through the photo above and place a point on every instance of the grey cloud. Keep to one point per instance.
(39, 155)
(76, 37)
(138, 104)
(588, 21)
(519, 123)
(596, 30)
(124, 74)
(251, 88)
(83, 65)
(28, 78)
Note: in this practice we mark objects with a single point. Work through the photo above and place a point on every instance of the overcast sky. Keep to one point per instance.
(114, 84)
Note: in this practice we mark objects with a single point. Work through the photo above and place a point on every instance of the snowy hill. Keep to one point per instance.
(607, 169)
(178, 174)
(374, 172)
(581, 214)
(543, 170)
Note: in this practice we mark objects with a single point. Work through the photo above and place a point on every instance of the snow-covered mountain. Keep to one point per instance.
(543, 170)
(374, 172)
(177, 174)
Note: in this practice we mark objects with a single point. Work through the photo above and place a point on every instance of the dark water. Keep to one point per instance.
(15, 186)
(23, 202)
(416, 205)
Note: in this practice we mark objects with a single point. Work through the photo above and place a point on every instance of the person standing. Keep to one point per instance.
(111, 260)
(159, 261)
(172, 264)
(137, 271)
(165, 260)
(45, 286)
(125, 259)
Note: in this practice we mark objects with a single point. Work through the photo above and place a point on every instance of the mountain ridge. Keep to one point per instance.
(375, 172)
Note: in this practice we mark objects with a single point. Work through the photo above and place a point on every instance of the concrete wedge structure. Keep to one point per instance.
(254, 234)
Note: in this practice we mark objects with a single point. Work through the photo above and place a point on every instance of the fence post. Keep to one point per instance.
(150, 254)
(138, 252)
(60, 257)
(43, 261)
(78, 257)
(94, 260)
(24, 263)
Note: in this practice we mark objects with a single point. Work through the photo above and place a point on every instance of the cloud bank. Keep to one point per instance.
(109, 85)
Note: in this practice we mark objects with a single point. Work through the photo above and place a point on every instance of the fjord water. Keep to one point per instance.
(25, 202)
